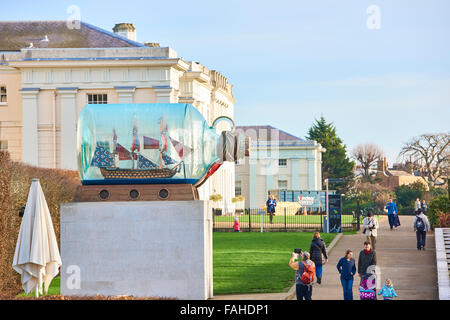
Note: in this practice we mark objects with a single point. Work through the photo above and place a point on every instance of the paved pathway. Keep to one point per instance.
(413, 272)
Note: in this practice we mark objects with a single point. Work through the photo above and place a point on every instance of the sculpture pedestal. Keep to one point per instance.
(142, 249)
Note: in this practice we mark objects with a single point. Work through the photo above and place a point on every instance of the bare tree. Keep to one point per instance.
(433, 150)
(367, 155)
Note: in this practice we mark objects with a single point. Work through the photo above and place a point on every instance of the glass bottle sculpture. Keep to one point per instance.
(156, 143)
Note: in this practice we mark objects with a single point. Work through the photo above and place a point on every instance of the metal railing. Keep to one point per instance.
(284, 220)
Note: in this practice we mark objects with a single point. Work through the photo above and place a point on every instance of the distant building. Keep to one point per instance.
(278, 160)
(391, 178)
(50, 71)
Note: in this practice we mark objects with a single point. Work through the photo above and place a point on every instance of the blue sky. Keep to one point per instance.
(292, 61)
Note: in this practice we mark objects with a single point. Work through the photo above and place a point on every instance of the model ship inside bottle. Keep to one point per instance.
(151, 144)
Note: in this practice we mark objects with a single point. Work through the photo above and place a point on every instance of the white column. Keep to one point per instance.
(30, 147)
(164, 94)
(68, 128)
(312, 178)
(125, 94)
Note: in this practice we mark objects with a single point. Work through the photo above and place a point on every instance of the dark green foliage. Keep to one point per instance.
(439, 211)
(335, 163)
(407, 194)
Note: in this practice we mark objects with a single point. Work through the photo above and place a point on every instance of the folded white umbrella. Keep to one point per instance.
(37, 257)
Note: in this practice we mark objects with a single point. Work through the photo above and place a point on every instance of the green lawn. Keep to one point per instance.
(254, 262)
(52, 290)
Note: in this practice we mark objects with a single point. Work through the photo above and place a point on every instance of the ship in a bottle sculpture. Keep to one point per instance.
(152, 144)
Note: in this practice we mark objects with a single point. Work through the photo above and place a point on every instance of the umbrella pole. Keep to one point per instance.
(36, 292)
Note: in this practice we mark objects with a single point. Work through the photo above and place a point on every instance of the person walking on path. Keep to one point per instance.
(271, 204)
(417, 205)
(367, 262)
(388, 290)
(424, 207)
(304, 276)
(316, 250)
(391, 208)
(421, 226)
(347, 269)
(370, 227)
(236, 225)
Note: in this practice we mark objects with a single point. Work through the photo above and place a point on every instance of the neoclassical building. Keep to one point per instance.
(49, 71)
(278, 161)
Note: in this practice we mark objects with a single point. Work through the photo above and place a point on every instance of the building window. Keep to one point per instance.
(3, 96)
(97, 98)
(237, 189)
(282, 184)
(282, 162)
(3, 145)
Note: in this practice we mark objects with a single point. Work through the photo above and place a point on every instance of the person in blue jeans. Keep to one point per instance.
(391, 210)
(421, 227)
(347, 268)
(317, 250)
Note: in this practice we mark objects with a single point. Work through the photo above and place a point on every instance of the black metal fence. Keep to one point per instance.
(284, 220)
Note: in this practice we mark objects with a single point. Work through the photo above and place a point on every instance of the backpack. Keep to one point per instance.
(307, 277)
(420, 225)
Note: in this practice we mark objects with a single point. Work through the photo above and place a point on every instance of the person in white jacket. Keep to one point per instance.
(417, 205)
(421, 226)
(370, 226)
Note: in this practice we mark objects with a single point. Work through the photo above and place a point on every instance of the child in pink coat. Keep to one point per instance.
(236, 226)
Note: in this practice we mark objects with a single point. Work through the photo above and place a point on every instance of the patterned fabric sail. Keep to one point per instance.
(150, 143)
(145, 163)
(102, 158)
(167, 160)
(124, 154)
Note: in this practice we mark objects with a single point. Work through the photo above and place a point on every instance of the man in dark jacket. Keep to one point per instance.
(367, 262)
(367, 258)
(271, 204)
(316, 250)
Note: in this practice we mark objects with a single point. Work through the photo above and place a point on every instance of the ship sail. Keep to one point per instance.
(115, 140)
(167, 160)
(102, 158)
(124, 154)
(150, 143)
(145, 163)
(181, 148)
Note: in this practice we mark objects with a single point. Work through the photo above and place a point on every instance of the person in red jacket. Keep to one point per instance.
(236, 226)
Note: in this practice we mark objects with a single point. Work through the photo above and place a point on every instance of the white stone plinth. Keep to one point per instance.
(143, 249)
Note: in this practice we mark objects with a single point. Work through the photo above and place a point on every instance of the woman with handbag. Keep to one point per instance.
(370, 227)
(318, 254)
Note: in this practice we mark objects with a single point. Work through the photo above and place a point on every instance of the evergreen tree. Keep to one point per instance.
(335, 163)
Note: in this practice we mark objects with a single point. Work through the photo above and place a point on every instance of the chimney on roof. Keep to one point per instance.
(381, 165)
(126, 30)
(152, 44)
